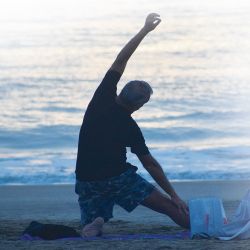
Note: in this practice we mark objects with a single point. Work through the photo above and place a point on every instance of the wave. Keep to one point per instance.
(61, 109)
(69, 178)
(37, 179)
(63, 136)
(182, 134)
(56, 166)
(194, 116)
(206, 175)
(40, 137)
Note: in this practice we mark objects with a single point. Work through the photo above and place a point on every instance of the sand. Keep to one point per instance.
(19, 205)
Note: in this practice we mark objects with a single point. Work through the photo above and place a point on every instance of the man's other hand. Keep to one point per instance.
(151, 22)
(180, 204)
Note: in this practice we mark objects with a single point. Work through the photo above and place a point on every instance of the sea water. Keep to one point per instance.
(53, 55)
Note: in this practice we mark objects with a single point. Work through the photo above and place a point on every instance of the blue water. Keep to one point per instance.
(53, 56)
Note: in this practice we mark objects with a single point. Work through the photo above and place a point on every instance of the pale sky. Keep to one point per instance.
(33, 10)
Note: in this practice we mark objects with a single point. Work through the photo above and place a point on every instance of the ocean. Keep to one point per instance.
(53, 55)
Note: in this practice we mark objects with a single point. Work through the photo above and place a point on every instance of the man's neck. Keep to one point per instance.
(120, 103)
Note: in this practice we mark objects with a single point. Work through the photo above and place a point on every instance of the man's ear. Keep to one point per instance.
(139, 105)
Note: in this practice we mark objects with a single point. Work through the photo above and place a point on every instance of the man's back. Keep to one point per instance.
(107, 130)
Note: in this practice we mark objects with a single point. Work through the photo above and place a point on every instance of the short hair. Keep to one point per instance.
(135, 93)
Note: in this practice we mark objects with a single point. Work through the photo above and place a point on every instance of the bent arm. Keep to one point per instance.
(121, 60)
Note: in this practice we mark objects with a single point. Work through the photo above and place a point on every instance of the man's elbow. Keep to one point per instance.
(118, 65)
(119, 60)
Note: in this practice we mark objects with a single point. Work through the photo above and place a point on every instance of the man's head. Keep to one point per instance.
(134, 95)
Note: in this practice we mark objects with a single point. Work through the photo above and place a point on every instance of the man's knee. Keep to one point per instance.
(157, 201)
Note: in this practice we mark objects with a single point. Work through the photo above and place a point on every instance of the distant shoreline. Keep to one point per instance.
(225, 189)
(172, 181)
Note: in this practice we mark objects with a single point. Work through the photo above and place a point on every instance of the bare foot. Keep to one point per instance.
(94, 228)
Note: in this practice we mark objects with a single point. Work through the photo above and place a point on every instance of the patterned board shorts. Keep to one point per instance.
(97, 198)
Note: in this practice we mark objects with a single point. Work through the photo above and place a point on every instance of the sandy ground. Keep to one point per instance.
(19, 205)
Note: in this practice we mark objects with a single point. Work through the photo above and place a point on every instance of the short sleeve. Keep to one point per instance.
(138, 145)
(107, 88)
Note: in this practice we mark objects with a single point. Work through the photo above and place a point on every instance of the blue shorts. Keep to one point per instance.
(97, 198)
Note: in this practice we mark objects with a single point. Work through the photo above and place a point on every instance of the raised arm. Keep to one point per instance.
(120, 62)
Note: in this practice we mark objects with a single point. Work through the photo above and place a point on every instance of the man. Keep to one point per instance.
(103, 177)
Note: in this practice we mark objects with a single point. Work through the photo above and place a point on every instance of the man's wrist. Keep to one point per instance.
(144, 31)
(173, 194)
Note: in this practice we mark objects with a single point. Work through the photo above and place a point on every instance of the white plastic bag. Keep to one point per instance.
(207, 216)
(243, 210)
(239, 227)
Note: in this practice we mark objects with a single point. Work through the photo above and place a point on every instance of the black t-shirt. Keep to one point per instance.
(106, 131)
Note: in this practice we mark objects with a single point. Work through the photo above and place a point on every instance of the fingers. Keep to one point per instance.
(185, 209)
(154, 15)
(152, 20)
(157, 21)
(182, 207)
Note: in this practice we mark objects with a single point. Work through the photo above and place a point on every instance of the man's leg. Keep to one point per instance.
(134, 190)
(95, 208)
(162, 204)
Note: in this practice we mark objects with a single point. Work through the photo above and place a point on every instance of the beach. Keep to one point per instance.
(20, 204)
(54, 54)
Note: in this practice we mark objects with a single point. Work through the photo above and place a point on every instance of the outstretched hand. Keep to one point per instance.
(180, 204)
(121, 60)
(152, 21)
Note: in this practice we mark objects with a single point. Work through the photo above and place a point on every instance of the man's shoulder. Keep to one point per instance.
(111, 73)
(106, 92)
(110, 79)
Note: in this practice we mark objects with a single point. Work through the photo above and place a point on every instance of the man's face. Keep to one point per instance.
(141, 105)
